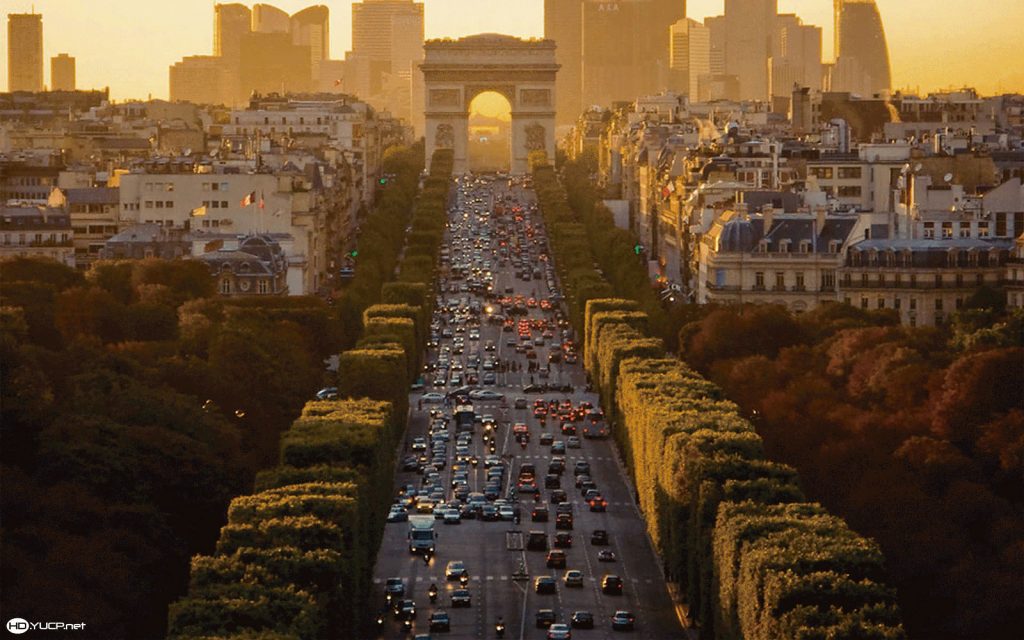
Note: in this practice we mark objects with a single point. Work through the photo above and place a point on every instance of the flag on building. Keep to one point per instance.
(249, 199)
(262, 203)
(199, 211)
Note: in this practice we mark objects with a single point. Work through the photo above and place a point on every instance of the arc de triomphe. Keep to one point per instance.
(456, 71)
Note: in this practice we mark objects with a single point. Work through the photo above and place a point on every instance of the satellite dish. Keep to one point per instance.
(948, 177)
(917, 167)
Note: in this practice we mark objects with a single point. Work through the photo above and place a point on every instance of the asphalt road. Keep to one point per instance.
(491, 550)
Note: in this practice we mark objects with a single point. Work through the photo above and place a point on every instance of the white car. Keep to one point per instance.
(451, 516)
(433, 398)
(485, 394)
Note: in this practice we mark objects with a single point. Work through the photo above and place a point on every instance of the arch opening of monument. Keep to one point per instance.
(490, 128)
(456, 72)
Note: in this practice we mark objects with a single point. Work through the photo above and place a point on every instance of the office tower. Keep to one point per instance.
(382, 29)
(62, 73)
(24, 52)
(716, 31)
(203, 80)
(311, 28)
(748, 25)
(862, 55)
(269, 19)
(563, 23)
(626, 48)
(795, 57)
(689, 56)
(270, 63)
(230, 23)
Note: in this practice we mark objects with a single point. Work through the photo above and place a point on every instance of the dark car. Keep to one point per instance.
(558, 495)
(556, 559)
(439, 621)
(563, 540)
(582, 467)
(546, 617)
(599, 537)
(563, 521)
(545, 584)
(489, 512)
(611, 585)
(537, 541)
(546, 439)
(552, 481)
(405, 610)
(582, 620)
(461, 598)
(623, 621)
(539, 514)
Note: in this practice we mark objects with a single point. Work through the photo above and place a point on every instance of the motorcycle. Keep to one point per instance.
(407, 625)
(464, 580)
(499, 629)
(433, 594)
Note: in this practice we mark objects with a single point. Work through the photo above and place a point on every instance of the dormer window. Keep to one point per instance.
(833, 246)
(805, 246)
(762, 246)
(784, 246)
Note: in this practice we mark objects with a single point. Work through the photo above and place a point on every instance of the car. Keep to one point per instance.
(581, 468)
(558, 447)
(439, 621)
(623, 621)
(573, 578)
(563, 540)
(433, 397)
(485, 394)
(398, 514)
(506, 512)
(455, 570)
(520, 403)
(556, 559)
(452, 516)
(537, 541)
(394, 587)
(559, 632)
(563, 521)
(558, 496)
(327, 393)
(545, 584)
(611, 585)
(539, 514)
(599, 537)
(597, 503)
(573, 442)
(606, 555)
(546, 439)
(582, 620)
(545, 618)
(489, 513)
(461, 598)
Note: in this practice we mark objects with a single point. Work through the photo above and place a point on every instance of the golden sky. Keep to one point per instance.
(128, 45)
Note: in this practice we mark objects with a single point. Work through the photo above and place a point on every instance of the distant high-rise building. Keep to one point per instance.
(311, 28)
(795, 57)
(24, 52)
(749, 26)
(272, 64)
(716, 30)
(202, 80)
(860, 48)
(626, 48)
(269, 19)
(230, 23)
(563, 23)
(381, 30)
(62, 73)
(689, 55)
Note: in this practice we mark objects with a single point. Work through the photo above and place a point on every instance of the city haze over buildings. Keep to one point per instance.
(920, 33)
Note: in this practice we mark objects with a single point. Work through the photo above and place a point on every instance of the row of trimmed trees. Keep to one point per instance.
(757, 560)
(296, 558)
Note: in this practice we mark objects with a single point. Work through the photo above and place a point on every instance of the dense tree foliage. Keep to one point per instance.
(915, 436)
(296, 558)
(134, 407)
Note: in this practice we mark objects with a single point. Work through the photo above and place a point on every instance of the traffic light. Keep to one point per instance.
(353, 253)
(382, 181)
(638, 248)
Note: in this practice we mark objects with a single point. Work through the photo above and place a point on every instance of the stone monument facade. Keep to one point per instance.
(456, 71)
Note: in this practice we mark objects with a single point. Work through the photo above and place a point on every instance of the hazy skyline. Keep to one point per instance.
(128, 45)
